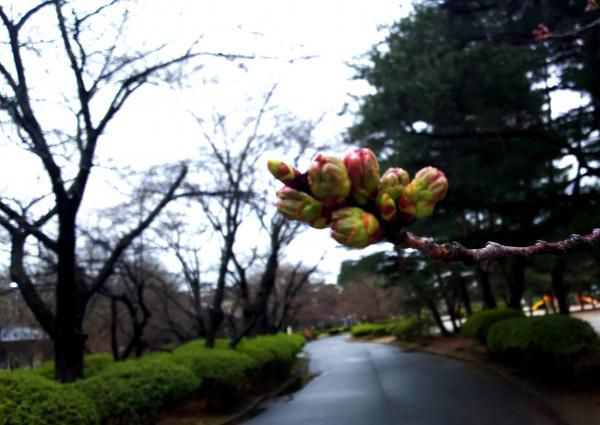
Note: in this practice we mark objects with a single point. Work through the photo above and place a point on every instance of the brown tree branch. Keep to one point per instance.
(127, 239)
(453, 251)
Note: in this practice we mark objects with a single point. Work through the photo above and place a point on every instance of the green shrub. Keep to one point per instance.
(220, 368)
(542, 342)
(198, 344)
(511, 338)
(410, 329)
(405, 329)
(92, 364)
(478, 325)
(29, 399)
(136, 390)
(272, 351)
(369, 329)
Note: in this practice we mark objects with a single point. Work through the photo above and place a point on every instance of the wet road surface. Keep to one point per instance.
(376, 384)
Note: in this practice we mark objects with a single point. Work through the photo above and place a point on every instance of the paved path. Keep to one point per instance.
(376, 384)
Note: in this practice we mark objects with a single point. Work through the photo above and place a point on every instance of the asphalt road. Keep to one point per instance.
(376, 384)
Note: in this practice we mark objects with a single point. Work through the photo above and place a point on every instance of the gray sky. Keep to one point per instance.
(156, 125)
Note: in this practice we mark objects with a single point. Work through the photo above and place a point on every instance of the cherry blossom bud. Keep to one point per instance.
(354, 227)
(363, 170)
(328, 180)
(386, 206)
(300, 206)
(420, 196)
(281, 171)
(393, 182)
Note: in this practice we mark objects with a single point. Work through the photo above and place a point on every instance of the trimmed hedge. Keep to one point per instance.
(136, 390)
(542, 342)
(29, 399)
(272, 351)
(217, 368)
(369, 329)
(478, 325)
(402, 329)
(410, 329)
(92, 364)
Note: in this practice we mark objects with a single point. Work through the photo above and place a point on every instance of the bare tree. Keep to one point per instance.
(67, 157)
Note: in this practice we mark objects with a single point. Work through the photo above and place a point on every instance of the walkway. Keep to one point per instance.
(376, 384)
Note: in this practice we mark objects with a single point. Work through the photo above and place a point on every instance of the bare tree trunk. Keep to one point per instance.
(487, 295)
(69, 339)
(464, 291)
(516, 282)
(114, 341)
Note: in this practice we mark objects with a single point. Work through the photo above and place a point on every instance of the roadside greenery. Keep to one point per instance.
(92, 364)
(29, 399)
(551, 344)
(406, 329)
(478, 325)
(137, 391)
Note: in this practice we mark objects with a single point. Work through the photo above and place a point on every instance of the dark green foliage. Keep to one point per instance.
(29, 399)
(219, 367)
(135, 391)
(542, 342)
(338, 330)
(198, 344)
(272, 351)
(406, 329)
(138, 389)
(92, 364)
(410, 329)
(478, 325)
(370, 329)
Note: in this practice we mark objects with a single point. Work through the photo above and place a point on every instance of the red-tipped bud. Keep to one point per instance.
(300, 206)
(281, 171)
(386, 206)
(427, 188)
(393, 182)
(354, 227)
(363, 170)
(328, 180)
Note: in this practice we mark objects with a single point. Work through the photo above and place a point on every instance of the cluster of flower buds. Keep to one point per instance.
(349, 196)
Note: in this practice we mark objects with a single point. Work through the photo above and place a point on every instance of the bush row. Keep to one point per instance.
(478, 325)
(540, 344)
(406, 329)
(136, 391)
(552, 343)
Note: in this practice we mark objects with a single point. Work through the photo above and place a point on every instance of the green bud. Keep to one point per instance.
(420, 196)
(328, 180)
(300, 206)
(386, 206)
(354, 227)
(281, 171)
(363, 170)
(393, 182)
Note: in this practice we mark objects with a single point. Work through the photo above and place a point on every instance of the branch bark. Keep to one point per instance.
(454, 251)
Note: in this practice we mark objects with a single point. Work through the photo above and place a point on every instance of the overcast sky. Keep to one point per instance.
(156, 125)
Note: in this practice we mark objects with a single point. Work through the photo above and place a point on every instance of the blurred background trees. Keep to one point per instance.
(196, 250)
